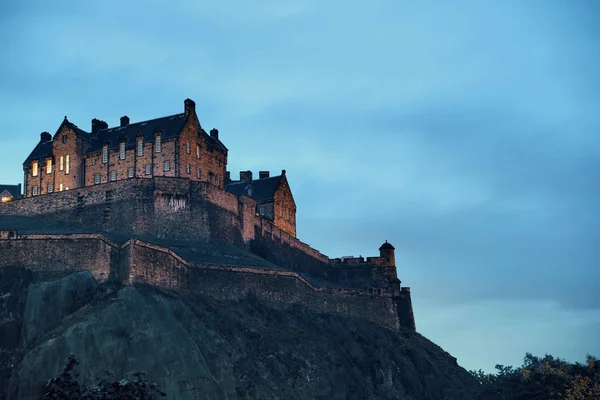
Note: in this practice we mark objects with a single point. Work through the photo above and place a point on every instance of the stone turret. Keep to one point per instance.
(386, 252)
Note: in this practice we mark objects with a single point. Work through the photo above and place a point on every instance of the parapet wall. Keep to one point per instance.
(136, 261)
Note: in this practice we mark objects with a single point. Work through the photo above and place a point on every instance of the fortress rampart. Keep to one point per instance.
(136, 261)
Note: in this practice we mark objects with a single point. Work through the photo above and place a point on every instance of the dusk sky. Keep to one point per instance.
(466, 133)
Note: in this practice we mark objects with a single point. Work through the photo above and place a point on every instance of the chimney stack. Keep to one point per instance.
(227, 177)
(98, 125)
(124, 120)
(214, 133)
(189, 107)
(263, 174)
(45, 137)
(245, 176)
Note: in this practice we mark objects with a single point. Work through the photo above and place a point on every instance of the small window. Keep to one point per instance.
(219, 162)
(113, 175)
(97, 179)
(167, 165)
(34, 168)
(104, 154)
(198, 152)
(281, 211)
(188, 168)
(198, 173)
(287, 214)
(148, 170)
(261, 210)
(130, 172)
(49, 166)
(64, 139)
(157, 144)
(140, 147)
(60, 187)
(61, 165)
(93, 161)
(35, 190)
(187, 147)
(50, 187)
(121, 151)
(67, 169)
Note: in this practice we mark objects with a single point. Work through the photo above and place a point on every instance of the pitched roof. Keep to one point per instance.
(14, 190)
(168, 127)
(44, 148)
(258, 189)
(41, 151)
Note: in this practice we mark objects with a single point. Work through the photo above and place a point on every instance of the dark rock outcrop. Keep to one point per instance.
(193, 346)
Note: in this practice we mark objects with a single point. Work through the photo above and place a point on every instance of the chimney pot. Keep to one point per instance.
(124, 120)
(189, 107)
(245, 175)
(263, 174)
(214, 133)
(45, 137)
(98, 125)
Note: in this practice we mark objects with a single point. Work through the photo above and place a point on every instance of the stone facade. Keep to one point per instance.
(135, 261)
(166, 180)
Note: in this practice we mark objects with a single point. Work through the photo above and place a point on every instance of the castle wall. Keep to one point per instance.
(159, 266)
(52, 256)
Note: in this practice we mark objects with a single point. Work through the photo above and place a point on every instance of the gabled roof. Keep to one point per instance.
(41, 151)
(79, 132)
(44, 148)
(258, 189)
(13, 190)
(168, 127)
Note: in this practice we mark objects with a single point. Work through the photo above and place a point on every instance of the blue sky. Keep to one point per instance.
(466, 133)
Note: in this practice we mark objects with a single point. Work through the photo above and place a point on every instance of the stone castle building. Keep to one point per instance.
(153, 202)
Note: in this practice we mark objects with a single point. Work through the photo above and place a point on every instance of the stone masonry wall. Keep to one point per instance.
(136, 261)
(51, 256)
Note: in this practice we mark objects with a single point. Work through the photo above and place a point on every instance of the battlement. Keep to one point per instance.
(135, 261)
(165, 180)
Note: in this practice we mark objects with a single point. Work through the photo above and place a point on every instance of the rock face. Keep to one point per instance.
(195, 347)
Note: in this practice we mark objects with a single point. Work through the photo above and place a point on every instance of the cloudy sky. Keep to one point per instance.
(466, 133)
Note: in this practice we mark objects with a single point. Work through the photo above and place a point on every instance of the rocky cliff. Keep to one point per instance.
(195, 347)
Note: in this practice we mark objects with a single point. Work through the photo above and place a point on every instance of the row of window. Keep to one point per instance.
(140, 149)
(36, 189)
(64, 165)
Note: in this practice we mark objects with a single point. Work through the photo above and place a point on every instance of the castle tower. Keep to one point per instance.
(386, 251)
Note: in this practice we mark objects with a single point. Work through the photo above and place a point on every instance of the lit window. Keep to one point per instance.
(157, 144)
(104, 154)
(35, 190)
(113, 175)
(188, 168)
(197, 152)
(130, 172)
(67, 188)
(67, 165)
(50, 187)
(198, 173)
(34, 168)
(60, 187)
(140, 147)
(96, 179)
(167, 165)
(148, 169)
(49, 166)
(62, 163)
(187, 147)
(121, 151)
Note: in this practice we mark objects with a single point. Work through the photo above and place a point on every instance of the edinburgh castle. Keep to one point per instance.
(152, 202)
